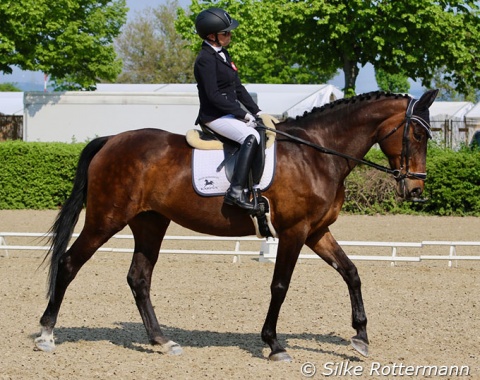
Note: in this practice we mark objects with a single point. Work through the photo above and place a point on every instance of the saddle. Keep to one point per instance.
(206, 139)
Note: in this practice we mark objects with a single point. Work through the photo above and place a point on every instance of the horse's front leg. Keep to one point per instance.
(287, 255)
(329, 250)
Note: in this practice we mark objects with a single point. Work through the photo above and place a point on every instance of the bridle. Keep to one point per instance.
(405, 155)
(397, 173)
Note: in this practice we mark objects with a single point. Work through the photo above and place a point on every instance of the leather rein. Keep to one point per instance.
(397, 173)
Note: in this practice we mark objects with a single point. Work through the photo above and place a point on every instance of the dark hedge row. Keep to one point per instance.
(40, 176)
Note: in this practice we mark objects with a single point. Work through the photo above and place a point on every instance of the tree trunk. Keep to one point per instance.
(350, 70)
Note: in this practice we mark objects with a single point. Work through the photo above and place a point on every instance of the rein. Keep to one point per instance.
(397, 173)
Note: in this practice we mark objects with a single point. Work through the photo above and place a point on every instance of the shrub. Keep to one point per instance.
(40, 176)
(453, 183)
(36, 175)
(452, 186)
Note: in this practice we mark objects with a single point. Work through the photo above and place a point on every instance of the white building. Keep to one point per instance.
(114, 108)
(448, 123)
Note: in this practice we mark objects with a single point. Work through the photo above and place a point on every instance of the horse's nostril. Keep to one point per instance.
(416, 192)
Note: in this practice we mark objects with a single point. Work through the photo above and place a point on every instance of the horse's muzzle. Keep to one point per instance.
(410, 189)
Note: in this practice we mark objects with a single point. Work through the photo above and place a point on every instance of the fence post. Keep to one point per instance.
(452, 253)
(268, 250)
(394, 254)
(236, 258)
(4, 242)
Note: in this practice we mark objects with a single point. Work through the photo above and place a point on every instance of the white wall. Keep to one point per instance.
(81, 116)
(114, 108)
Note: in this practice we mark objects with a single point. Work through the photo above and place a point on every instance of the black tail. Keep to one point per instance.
(67, 218)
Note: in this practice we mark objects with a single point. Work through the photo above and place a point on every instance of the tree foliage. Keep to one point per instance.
(151, 49)
(448, 90)
(392, 82)
(306, 41)
(257, 46)
(9, 87)
(430, 36)
(70, 40)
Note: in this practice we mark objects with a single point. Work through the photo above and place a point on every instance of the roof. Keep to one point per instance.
(286, 100)
(441, 111)
(290, 100)
(473, 116)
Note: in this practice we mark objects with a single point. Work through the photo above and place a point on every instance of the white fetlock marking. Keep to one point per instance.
(172, 348)
(45, 341)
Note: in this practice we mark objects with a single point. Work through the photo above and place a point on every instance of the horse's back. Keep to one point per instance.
(141, 144)
(147, 138)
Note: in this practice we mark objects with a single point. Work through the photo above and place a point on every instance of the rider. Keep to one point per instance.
(220, 91)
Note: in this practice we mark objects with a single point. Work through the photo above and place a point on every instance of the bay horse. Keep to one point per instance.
(143, 179)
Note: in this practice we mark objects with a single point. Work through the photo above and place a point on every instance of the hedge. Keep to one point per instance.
(40, 176)
(36, 175)
(452, 186)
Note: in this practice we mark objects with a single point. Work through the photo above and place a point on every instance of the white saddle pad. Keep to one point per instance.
(208, 182)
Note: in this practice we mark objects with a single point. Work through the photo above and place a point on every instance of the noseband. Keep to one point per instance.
(404, 158)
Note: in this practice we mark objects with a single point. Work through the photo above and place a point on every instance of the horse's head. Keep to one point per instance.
(403, 139)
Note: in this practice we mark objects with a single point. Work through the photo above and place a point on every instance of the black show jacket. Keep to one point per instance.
(219, 87)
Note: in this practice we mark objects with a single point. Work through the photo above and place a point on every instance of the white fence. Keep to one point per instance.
(268, 248)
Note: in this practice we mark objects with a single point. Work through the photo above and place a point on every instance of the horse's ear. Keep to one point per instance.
(426, 100)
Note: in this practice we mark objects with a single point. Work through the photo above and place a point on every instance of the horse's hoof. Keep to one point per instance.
(281, 356)
(360, 346)
(46, 345)
(172, 348)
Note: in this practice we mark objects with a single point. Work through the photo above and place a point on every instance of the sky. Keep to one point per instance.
(365, 82)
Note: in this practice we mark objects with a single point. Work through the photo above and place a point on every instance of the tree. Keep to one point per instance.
(70, 40)
(257, 47)
(9, 87)
(448, 90)
(411, 37)
(152, 51)
(392, 82)
(426, 37)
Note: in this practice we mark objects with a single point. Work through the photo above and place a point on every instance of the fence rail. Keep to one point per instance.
(268, 248)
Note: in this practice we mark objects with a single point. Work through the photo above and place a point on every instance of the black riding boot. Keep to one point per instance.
(235, 194)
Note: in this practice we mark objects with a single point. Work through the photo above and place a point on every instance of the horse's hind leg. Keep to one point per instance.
(329, 250)
(69, 264)
(148, 229)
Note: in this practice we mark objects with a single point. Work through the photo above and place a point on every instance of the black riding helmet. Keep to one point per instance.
(214, 20)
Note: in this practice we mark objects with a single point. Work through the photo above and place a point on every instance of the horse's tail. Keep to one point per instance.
(67, 218)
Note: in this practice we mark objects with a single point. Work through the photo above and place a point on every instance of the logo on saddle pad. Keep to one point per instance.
(208, 171)
(209, 183)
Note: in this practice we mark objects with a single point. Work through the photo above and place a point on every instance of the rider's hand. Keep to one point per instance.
(250, 120)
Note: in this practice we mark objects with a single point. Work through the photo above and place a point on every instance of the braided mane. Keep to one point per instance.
(358, 98)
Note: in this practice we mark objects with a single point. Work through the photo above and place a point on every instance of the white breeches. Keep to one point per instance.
(233, 129)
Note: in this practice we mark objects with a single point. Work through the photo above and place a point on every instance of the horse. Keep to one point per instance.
(143, 178)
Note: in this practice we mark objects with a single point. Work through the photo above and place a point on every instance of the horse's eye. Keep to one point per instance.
(417, 133)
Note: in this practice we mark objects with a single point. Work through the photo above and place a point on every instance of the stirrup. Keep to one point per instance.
(231, 199)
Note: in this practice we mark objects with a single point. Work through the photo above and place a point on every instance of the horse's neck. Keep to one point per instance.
(351, 135)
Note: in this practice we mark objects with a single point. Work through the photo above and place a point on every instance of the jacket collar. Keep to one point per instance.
(211, 50)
